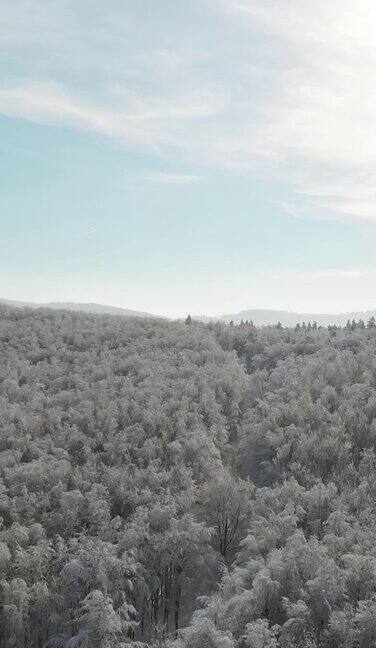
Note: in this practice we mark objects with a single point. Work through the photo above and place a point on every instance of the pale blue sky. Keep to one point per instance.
(202, 156)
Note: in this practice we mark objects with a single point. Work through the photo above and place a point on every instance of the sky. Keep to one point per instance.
(204, 156)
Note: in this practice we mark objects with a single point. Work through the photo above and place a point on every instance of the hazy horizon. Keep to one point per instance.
(246, 312)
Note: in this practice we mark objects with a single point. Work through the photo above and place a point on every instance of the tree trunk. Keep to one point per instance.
(167, 596)
(179, 570)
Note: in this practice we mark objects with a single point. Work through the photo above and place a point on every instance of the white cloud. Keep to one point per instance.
(319, 126)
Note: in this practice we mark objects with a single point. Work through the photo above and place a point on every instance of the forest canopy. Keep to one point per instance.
(186, 485)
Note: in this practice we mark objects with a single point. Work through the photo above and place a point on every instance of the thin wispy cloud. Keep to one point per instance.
(326, 273)
(92, 231)
(134, 120)
(174, 178)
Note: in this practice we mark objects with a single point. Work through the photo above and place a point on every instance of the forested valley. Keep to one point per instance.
(186, 485)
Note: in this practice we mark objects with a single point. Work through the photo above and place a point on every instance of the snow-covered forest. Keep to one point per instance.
(186, 485)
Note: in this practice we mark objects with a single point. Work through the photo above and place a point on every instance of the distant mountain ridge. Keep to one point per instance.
(100, 309)
(265, 317)
(259, 316)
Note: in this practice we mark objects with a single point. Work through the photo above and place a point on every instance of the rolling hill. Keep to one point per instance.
(260, 317)
(99, 309)
(264, 317)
